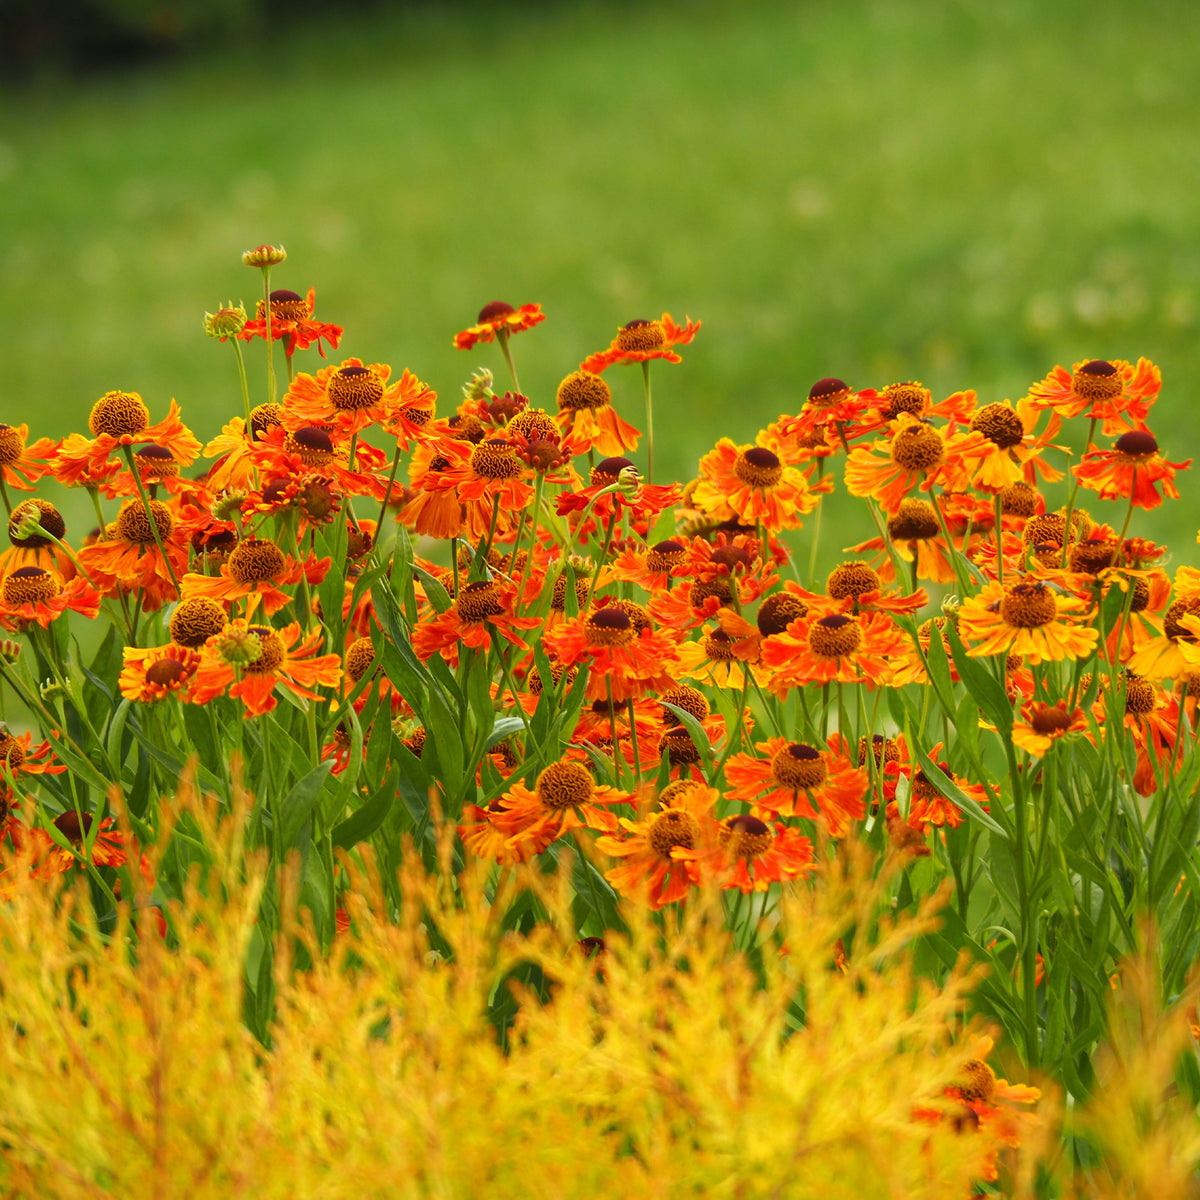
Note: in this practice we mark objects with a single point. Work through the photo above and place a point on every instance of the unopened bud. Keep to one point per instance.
(238, 647)
(479, 386)
(10, 651)
(264, 256)
(226, 322)
(227, 505)
(629, 480)
(950, 605)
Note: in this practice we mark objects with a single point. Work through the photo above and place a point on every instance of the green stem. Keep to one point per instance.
(502, 342)
(150, 516)
(649, 424)
(241, 365)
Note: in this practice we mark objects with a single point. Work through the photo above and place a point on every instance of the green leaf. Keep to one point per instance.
(299, 803)
(503, 728)
(437, 595)
(697, 734)
(952, 791)
(366, 820)
(982, 684)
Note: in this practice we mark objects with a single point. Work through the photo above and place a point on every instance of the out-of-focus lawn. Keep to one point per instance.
(965, 193)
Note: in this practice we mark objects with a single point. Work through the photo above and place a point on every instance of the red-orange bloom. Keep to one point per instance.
(564, 798)
(1116, 392)
(1031, 618)
(617, 655)
(641, 341)
(23, 465)
(482, 609)
(795, 779)
(1130, 471)
(39, 594)
(250, 661)
(836, 648)
(1002, 449)
(150, 675)
(499, 319)
(834, 414)
(659, 867)
(292, 323)
(254, 571)
(106, 848)
(1043, 724)
(348, 398)
(120, 419)
(915, 454)
(750, 854)
(750, 484)
(490, 484)
(587, 416)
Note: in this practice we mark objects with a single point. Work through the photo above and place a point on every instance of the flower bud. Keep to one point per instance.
(228, 321)
(264, 256)
(479, 386)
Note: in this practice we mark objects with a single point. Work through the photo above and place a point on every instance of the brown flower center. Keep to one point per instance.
(608, 471)
(564, 785)
(608, 627)
(118, 414)
(360, 656)
(744, 836)
(718, 646)
(635, 612)
(166, 672)
(1092, 556)
(264, 417)
(835, 637)
(496, 459)
(670, 828)
(45, 514)
(883, 749)
(353, 388)
(12, 445)
(495, 312)
(286, 306)
(687, 698)
(1049, 721)
(479, 601)
(1000, 425)
(1029, 606)
(256, 560)
(11, 750)
(703, 588)
(908, 397)
(916, 521)
(758, 467)
(640, 336)
(799, 766)
(1096, 380)
(1019, 499)
(1140, 694)
(271, 653)
(1136, 444)
(673, 793)
(664, 556)
(195, 621)
(581, 390)
(133, 525)
(977, 1082)
(558, 600)
(1186, 606)
(851, 580)
(534, 425)
(918, 448)
(827, 392)
(312, 445)
(28, 585)
(777, 612)
(155, 462)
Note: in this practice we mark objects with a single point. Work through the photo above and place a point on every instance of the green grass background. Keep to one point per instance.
(964, 193)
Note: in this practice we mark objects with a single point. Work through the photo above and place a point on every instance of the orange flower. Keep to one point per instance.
(750, 484)
(659, 866)
(482, 609)
(588, 419)
(833, 648)
(641, 341)
(148, 676)
(915, 532)
(750, 854)
(120, 419)
(1044, 724)
(292, 323)
(714, 659)
(617, 655)
(23, 465)
(348, 398)
(254, 571)
(928, 806)
(1114, 392)
(104, 848)
(795, 779)
(833, 412)
(250, 661)
(39, 594)
(490, 483)
(19, 756)
(1003, 448)
(282, 454)
(564, 798)
(1130, 470)
(499, 319)
(916, 453)
(1034, 619)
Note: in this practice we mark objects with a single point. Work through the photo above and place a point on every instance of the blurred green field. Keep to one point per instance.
(965, 193)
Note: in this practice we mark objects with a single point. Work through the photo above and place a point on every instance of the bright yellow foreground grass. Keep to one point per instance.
(664, 1067)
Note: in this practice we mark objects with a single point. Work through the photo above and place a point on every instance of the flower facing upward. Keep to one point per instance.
(250, 661)
(1030, 618)
(641, 341)
(499, 320)
(1116, 392)
(795, 779)
(750, 854)
(751, 484)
